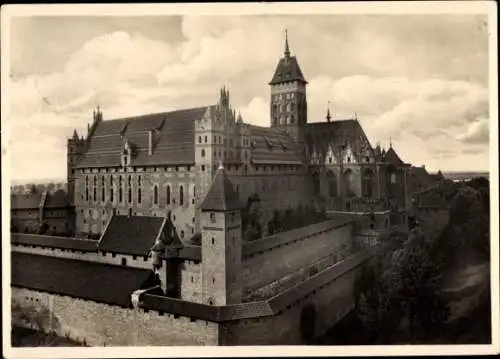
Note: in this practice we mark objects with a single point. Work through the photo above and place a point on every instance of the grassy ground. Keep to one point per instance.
(22, 337)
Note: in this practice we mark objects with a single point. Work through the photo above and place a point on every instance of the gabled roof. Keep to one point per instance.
(392, 157)
(25, 201)
(343, 133)
(133, 235)
(173, 139)
(221, 195)
(80, 279)
(272, 146)
(288, 69)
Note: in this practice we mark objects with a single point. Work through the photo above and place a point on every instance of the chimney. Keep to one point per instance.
(150, 142)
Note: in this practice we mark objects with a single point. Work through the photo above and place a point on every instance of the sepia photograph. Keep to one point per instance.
(295, 176)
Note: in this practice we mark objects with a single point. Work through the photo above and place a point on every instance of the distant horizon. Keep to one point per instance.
(17, 182)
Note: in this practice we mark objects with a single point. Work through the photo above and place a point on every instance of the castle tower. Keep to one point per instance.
(75, 147)
(288, 96)
(221, 242)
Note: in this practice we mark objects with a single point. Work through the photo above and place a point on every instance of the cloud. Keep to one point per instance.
(256, 112)
(407, 90)
(477, 132)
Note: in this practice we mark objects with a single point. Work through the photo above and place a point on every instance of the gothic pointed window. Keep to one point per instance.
(94, 197)
(168, 195)
(368, 182)
(139, 195)
(111, 190)
(155, 195)
(120, 189)
(181, 195)
(202, 153)
(87, 188)
(129, 195)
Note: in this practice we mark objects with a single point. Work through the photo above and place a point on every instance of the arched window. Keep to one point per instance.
(139, 195)
(368, 182)
(199, 139)
(202, 153)
(129, 195)
(316, 185)
(86, 188)
(94, 197)
(103, 189)
(332, 184)
(155, 195)
(111, 190)
(348, 183)
(181, 195)
(120, 189)
(168, 195)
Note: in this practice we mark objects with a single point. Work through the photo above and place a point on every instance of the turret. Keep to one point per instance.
(221, 242)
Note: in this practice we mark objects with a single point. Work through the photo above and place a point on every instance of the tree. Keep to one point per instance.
(407, 287)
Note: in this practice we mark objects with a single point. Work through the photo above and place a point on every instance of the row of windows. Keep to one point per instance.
(219, 140)
(140, 169)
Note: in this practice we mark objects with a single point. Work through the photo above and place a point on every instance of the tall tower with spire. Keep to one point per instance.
(288, 96)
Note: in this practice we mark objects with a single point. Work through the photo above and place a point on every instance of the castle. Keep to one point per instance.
(148, 185)
(163, 164)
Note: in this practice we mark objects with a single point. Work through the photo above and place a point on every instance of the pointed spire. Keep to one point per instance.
(287, 48)
(390, 142)
(75, 135)
(328, 115)
(221, 195)
(240, 119)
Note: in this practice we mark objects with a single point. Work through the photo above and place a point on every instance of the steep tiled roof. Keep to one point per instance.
(221, 195)
(25, 201)
(58, 199)
(272, 146)
(420, 179)
(172, 144)
(133, 235)
(392, 157)
(81, 279)
(344, 133)
(288, 69)
(84, 245)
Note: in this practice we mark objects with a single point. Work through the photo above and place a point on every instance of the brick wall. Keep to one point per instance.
(191, 282)
(104, 325)
(265, 268)
(93, 215)
(332, 302)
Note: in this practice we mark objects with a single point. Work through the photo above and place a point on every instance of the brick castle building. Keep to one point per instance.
(162, 164)
(148, 185)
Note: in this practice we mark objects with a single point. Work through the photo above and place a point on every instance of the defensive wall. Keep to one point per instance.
(326, 298)
(267, 260)
(311, 267)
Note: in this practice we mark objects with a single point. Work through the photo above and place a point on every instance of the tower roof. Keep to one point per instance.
(221, 196)
(288, 70)
(288, 67)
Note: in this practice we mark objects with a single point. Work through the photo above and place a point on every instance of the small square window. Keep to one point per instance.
(212, 217)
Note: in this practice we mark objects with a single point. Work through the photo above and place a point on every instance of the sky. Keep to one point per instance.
(419, 81)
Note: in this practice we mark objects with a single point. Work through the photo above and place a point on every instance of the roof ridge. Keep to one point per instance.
(154, 114)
